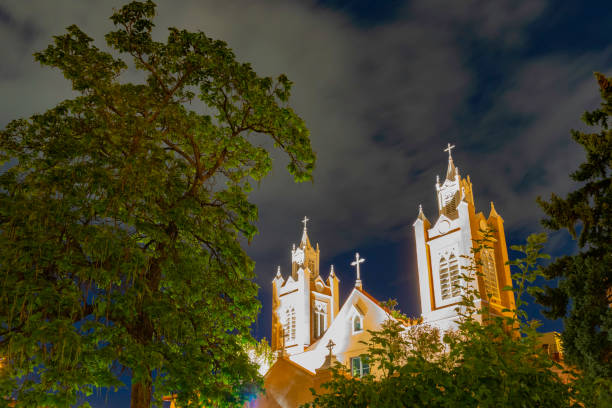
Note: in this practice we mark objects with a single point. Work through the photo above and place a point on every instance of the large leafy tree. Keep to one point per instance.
(584, 292)
(121, 217)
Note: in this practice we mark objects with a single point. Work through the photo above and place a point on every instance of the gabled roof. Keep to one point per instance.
(355, 293)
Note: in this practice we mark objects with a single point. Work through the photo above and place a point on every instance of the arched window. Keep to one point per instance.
(319, 320)
(357, 324)
(289, 325)
(450, 285)
(489, 274)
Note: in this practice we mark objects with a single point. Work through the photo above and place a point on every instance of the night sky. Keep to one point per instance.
(383, 86)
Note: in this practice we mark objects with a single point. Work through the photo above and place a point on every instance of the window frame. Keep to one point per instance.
(364, 366)
(453, 266)
(489, 272)
(319, 320)
(356, 318)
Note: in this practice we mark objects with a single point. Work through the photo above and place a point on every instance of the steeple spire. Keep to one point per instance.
(493, 213)
(421, 215)
(305, 239)
(451, 172)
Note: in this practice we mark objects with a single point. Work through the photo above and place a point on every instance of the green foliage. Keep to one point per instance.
(121, 219)
(528, 272)
(262, 353)
(496, 363)
(584, 292)
(390, 305)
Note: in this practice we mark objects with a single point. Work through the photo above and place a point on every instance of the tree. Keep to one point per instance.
(584, 292)
(121, 216)
(494, 363)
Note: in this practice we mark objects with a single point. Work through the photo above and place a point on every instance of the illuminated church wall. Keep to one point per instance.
(304, 305)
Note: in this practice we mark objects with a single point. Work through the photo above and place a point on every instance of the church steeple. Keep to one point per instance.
(449, 194)
(445, 247)
(304, 304)
(305, 256)
(305, 241)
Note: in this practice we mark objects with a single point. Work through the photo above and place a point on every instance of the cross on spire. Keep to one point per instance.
(356, 263)
(305, 234)
(330, 346)
(448, 149)
(304, 221)
(452, 172)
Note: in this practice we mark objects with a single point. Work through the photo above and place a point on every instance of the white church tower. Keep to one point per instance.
(442, 252)
(304, 305)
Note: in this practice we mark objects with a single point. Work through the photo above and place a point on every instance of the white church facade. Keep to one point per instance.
(308, 323)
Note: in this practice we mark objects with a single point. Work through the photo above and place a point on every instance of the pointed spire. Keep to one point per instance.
(278, 272)
(421, 215)
(331, 272)
(305, 239)
(493, 213)
(451, 172)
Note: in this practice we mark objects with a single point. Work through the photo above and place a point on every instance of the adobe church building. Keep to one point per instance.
(310, 330)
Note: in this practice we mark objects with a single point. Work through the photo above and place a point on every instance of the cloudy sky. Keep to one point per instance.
(383, 86)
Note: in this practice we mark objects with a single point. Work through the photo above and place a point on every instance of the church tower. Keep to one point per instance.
(444, 248)
(304, 305)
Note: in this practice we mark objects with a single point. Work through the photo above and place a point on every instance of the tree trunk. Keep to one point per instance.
(141, 395)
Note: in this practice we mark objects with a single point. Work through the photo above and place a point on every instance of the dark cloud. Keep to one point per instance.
(381, 101)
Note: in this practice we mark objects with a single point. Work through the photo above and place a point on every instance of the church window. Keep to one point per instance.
(449, 277)
(319, 320)
(357, 324)
(289, 326)
(360, 366)
(490, 274)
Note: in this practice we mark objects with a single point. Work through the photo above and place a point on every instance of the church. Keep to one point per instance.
(311, 330)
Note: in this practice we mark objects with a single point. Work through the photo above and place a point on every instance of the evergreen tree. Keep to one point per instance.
(584, 292)
(121, 216)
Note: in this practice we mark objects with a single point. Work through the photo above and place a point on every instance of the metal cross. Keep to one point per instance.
(449, 148)
(330, 346)
(305, 220)
(356, 264)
